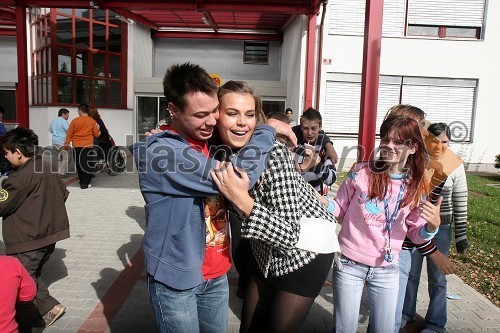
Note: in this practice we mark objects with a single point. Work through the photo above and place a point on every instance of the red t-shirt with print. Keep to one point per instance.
(217, 260)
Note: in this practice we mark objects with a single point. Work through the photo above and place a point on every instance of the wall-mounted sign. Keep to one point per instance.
(217, 79)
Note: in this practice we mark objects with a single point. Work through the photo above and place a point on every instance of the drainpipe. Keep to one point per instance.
(311, 41)
(370, 78)
(320, 55)
(22, 101)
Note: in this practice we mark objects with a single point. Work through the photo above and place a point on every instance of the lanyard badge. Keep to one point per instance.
(390, 220)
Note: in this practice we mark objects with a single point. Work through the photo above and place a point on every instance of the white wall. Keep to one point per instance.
(140, 64)
(293, 64)
(223, 57)
(118, 123)
(8, 59)
(476, 59)
(142, 50)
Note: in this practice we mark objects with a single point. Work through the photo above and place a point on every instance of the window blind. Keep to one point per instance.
(463, 13)
(348, 17)
(452, 105)
(393, 23)
(342, 105)
(341, 114)
(388, 96)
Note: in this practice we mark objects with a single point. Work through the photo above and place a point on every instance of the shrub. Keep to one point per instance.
(497, 161)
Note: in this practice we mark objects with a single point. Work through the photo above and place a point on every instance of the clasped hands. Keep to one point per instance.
(233, 186)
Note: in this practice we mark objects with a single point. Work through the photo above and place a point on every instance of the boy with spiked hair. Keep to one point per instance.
(310, 136)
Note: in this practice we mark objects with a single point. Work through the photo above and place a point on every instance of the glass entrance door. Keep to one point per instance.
(150, 109)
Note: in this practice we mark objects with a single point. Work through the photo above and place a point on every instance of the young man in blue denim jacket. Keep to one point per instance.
(186, 272)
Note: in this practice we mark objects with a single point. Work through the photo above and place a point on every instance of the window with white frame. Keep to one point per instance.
(426, 18)
(443, 100)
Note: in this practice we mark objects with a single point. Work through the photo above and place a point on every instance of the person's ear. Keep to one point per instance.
(174, 111)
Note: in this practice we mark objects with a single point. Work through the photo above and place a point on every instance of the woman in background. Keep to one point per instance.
(103, 142)
(453, 210)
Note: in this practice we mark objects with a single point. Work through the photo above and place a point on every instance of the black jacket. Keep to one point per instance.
(33, 209)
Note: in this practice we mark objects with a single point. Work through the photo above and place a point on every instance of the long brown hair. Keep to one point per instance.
(407, 130)
(406, 110)
(94, 113)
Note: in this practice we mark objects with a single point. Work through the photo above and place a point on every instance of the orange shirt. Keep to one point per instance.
(82, 132)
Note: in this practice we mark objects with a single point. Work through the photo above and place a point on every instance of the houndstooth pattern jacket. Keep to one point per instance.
(281, 198)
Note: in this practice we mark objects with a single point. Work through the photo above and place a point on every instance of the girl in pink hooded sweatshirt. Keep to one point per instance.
(379, 205)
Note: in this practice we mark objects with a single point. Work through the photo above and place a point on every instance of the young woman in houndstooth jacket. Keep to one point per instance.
(285, 279)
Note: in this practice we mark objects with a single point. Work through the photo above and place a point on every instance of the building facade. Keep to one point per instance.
(439, 56)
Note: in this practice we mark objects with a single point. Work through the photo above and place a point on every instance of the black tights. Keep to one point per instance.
(270, 310)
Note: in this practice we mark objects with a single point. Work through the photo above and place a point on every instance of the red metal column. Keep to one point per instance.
(370, 78)
(311, 48)
(22, 100)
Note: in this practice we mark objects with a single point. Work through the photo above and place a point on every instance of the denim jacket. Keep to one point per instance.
(174, 180)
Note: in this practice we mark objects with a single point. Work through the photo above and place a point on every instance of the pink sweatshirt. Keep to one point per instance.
(16, 286)
(363, 236)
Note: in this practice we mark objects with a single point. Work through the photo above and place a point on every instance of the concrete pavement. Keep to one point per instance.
(98, 273)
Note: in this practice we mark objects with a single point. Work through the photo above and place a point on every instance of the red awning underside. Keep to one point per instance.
(258, 19)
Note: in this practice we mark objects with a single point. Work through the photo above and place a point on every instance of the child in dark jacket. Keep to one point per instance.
(32, 204)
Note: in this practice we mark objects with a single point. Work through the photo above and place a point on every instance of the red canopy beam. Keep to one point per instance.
(52, 3)
(285, 8)
(136, 17)
(22, 100)
(311, 48)
(8, 15)
(210, 19)
(211, 35)
(7, 32)
(370, 78)
(286, 21)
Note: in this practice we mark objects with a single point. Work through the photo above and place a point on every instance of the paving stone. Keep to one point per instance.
(486, 324)
(107, 224)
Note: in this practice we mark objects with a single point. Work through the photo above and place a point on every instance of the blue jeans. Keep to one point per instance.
(200, 309)
(437, 311)
(404, 271)
(382, 284)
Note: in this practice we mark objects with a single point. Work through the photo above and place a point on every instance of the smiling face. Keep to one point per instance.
(237, 120)
(394, 150)
(199, 117)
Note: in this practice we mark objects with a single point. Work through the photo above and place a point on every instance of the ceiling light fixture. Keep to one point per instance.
(124, 19)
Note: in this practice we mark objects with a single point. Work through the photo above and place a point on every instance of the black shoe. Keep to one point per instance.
(85, 186)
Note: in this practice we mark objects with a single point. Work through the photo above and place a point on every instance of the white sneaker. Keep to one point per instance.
(50, 317)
